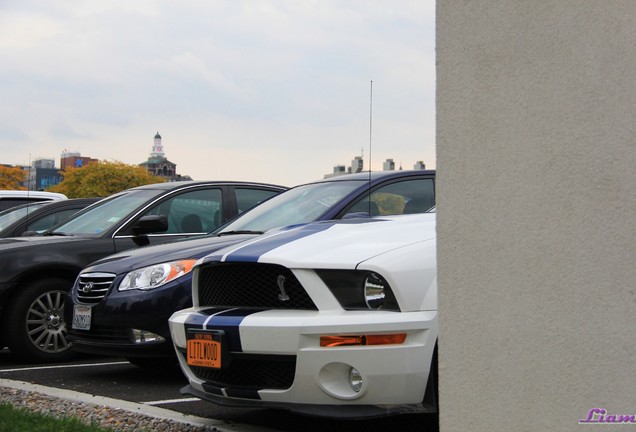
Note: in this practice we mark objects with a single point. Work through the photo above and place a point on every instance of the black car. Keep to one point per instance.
(36, 273)
(119, 306)
(35, 218)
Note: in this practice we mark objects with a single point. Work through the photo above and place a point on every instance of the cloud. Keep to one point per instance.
(255, 81)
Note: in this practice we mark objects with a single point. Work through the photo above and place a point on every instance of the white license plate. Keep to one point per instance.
(82, 317)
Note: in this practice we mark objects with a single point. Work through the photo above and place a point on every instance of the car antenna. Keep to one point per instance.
(28, 194)
(370, 137)
(28, 182)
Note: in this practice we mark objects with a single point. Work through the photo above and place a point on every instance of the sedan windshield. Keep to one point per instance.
(299, 205)
(105, 214)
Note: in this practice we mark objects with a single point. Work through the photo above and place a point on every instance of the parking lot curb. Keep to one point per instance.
(147, 410)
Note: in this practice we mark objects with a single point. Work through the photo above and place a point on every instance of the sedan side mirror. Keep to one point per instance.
(150, 224)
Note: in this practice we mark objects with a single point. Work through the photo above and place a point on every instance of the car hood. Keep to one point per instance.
(312, 245)
(189, 248)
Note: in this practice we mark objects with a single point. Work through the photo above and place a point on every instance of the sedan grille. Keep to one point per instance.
(251, 285)
(92, 287)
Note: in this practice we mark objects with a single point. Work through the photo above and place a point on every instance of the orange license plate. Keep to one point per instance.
(204, 351)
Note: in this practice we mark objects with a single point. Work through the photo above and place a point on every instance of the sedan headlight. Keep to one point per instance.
(356, 289)
(154, 276)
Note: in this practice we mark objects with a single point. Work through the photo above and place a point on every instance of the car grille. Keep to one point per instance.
(92, 287)
(251, 372)
(251, 285)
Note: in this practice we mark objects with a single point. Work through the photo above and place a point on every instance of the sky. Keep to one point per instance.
(271, 91)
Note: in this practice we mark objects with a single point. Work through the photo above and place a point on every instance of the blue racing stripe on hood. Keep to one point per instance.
(195, 320)
(254, 250)
(231, 317)
(218, 316)
(228, 320)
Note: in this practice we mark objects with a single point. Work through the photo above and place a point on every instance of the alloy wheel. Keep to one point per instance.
(45, 323)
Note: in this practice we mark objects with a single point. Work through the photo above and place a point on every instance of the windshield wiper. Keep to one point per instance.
(237, 232)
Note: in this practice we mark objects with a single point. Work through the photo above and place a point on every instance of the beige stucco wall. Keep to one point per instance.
(536, 163)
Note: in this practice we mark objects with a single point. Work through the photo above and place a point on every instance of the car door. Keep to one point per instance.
(193, 211)
(189, 212)
(398, 196)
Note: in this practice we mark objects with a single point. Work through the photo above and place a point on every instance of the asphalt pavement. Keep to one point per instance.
(116, 383)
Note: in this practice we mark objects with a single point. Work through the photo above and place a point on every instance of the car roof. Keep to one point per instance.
(179, 184)
(373, 175)
(376, 175)
(32, 194)
(52, 203)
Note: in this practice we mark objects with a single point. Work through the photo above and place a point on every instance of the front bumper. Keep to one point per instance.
(114, 317)
(309, 378)
(157, 350)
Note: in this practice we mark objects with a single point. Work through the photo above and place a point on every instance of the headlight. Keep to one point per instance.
(154, 276)
(375, 289)
(356, 289)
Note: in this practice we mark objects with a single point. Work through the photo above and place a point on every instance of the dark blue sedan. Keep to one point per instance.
(120, 305)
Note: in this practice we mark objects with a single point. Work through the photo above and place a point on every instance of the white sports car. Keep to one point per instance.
(335, 319)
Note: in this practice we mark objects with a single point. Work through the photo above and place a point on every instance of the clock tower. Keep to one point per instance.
(157, 148)
(158, 165)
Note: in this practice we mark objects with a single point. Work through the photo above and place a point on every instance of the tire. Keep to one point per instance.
(34, 322)
(431, 394)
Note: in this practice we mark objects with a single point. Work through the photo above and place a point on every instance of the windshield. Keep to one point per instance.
(105, 214)
(11, 215)
(299, 205)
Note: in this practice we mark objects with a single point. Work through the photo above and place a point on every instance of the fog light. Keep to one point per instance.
(355, 380)
(143, 336)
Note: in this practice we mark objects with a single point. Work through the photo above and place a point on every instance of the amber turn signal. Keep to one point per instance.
(349, 340)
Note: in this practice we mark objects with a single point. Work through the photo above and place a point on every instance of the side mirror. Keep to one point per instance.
(150, 224)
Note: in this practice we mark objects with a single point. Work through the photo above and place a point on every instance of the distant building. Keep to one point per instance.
(158, 165)
(337, 170)
(74, 160)
(419, 165)
(357, 165)
(42, 175)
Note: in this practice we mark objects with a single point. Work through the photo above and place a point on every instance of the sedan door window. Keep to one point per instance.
(192, 212)
(247, 198)
(400, 197)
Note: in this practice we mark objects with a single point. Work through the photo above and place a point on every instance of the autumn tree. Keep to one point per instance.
(101, 179)
(11, 177)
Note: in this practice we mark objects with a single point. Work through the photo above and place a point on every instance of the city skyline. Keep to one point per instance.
(77, 160)
(264, 91)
